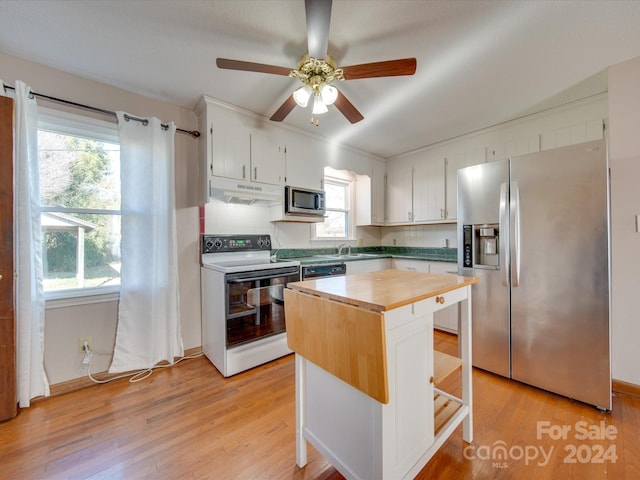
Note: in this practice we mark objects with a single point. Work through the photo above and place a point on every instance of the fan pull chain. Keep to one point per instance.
(317, 122)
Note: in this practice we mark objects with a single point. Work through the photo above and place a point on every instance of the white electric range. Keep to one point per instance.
(243, 301)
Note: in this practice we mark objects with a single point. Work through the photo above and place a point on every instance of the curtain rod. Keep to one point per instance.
(192, 133)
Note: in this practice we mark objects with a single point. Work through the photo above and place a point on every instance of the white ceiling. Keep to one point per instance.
(479, 62)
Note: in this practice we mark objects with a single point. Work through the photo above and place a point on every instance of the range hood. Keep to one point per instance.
(231, 190)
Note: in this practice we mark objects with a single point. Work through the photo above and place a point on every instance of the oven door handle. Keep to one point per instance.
(264, 277)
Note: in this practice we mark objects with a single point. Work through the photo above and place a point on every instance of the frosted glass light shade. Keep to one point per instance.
(301, 95)
(318, 105)
(328, 93)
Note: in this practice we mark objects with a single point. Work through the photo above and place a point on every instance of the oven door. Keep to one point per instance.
(255, 303)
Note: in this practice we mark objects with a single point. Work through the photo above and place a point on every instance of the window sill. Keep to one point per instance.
(85, 296)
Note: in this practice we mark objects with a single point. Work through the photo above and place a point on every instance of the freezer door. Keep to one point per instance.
(560, 272)
(481, 189)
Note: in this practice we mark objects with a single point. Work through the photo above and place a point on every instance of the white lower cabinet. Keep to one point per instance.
(411, 265)
(366, 266)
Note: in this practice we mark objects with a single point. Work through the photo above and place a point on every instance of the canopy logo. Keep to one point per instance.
(500, 454)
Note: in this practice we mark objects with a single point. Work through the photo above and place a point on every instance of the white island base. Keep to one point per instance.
(363, 437)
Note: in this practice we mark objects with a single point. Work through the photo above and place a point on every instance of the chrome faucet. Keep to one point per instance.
(342, 246)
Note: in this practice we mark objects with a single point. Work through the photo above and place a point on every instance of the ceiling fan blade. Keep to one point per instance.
(347, 108)
(284, 110)
(251, 67)
(318, 21)
(389, 68)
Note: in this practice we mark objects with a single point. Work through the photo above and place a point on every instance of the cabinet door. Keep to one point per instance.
(453, 164)
(377, 195)
(410, 265)
(428, 190)
(370, 198)
(267, 157)
(304, 161)
(399, 195)
(230, 145)
(365, 266)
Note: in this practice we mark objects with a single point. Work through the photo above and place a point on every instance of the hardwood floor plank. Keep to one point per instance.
(188, 422)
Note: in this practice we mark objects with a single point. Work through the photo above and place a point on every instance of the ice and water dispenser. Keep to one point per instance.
(481, 246)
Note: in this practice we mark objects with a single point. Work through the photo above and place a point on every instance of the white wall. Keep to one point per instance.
(624, 154)
(65, 325)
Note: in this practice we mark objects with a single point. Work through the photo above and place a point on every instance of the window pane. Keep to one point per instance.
(335, 225)
(79, 250)
(96, 263)
(78, 173)
(336, 196)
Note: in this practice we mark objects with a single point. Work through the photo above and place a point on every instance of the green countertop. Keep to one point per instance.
(320, 256)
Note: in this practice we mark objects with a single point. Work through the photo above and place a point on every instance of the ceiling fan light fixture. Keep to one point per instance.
(328, 93)
(318, 105)
(302, 95)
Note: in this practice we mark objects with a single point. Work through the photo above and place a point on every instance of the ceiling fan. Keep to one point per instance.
(317, 70)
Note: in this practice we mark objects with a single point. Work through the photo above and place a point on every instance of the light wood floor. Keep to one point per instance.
(190, 423)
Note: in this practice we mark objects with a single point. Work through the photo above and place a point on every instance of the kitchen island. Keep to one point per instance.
(367, 373)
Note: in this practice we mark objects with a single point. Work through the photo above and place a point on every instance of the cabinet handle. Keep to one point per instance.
(244, 173)
(409, 216)
(431, 379)
(442, 213)
(255, 173)
(440, 300)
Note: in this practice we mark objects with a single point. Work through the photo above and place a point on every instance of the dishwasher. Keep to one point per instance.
(330, 270)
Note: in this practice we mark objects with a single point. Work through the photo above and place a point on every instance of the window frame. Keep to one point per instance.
(67, 123)
(336, 177)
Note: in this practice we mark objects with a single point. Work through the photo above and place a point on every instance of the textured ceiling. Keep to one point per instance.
(479, 62)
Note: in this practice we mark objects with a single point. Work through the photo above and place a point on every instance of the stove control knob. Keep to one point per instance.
(217, 243)
(265, 242)
(208, 245)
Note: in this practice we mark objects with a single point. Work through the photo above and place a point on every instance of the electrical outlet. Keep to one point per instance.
(81, 341)
(444, 242)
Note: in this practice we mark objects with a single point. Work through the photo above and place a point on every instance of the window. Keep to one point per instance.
(79, 160)
(338, 224)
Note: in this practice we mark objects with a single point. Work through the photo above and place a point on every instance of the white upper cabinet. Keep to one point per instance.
(370, 196)
(304, 159)
(416, 192)
(232, 146)
(399, 206)
(429, 190)
(229, 145)
(267, 156)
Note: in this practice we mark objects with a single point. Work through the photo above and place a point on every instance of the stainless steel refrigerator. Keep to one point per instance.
(535, 230)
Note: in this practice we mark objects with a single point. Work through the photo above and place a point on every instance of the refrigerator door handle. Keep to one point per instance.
(514, 221)
(503, 229)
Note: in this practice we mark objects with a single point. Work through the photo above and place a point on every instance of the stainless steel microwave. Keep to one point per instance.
(303, 201)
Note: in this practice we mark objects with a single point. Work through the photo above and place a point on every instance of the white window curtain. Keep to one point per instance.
(148, 329)
(31, 377)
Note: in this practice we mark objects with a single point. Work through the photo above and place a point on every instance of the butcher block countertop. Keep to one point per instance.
(382, 290)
